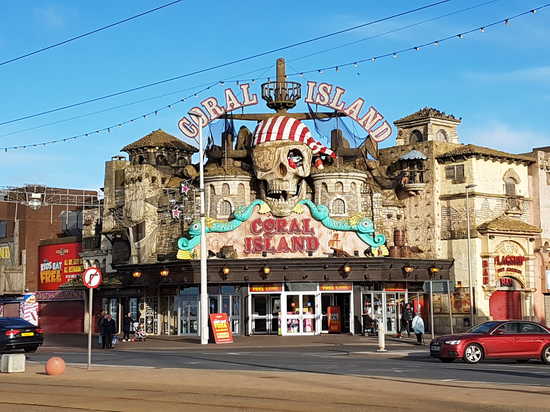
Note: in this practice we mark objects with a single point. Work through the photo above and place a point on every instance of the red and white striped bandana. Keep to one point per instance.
(278, 128)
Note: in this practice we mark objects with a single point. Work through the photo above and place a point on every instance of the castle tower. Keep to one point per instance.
(427, 124)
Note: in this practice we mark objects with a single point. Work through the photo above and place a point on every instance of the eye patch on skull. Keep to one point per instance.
(295, 158)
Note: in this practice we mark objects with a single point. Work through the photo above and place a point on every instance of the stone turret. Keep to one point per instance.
(427, 124)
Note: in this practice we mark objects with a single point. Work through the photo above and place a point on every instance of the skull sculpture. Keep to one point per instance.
(282, 158)
(281, 166)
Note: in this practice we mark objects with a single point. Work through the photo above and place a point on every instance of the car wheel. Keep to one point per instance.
(473, 353)
(545, 355)
(446, 360)
(31, 349)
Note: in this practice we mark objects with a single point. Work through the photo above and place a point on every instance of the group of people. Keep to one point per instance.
(107, 329)
(412, 320)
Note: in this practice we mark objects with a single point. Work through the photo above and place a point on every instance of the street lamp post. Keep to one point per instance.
(469, 259)
(204, 270)
(203, 309)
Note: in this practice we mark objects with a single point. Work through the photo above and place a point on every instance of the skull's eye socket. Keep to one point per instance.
(295, 158)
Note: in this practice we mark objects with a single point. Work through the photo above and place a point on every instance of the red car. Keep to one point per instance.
(520, 340)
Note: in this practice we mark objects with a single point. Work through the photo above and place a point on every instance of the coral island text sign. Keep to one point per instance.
(322, 94)
(281, 236)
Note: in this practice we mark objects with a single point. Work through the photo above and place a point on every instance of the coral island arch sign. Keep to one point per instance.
(321, 94)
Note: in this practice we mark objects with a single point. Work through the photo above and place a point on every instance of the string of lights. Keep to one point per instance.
(80, 36)
(479, 29)
(221, 65)
(113, 126)
(395, 54)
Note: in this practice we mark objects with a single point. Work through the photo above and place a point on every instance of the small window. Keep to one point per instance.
(338, 207)
(510, 186)
(548, 178)
(455, 173)
(416, 137)
(3, 229)
(225, 190)
(531, 328)
(441, 135)
(339, 186)
(139, 231)
(224, 209)
(71, 222)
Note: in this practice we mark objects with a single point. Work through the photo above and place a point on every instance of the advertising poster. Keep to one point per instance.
(58, 264)
(220, 328)
(28, 309)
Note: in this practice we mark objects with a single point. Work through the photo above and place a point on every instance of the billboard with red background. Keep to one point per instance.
(58, 264)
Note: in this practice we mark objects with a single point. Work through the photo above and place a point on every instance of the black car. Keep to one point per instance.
(18, 334)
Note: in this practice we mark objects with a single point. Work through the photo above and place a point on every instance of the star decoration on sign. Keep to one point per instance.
(176, 213)
(184, 188)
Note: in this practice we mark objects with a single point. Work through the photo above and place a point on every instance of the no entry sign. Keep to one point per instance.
(92, 277)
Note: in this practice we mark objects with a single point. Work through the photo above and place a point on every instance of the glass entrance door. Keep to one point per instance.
(265, 314)
(188, 316)
(300, 314)
(385, 307)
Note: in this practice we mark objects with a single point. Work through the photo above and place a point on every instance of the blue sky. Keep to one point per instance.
(497, 81)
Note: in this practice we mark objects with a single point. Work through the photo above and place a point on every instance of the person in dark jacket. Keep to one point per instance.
(108, 328)
(127, 323)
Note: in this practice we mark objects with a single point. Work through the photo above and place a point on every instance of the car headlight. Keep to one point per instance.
(452, 342)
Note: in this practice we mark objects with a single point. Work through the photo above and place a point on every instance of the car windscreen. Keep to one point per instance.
(8, 323)
(484, 327)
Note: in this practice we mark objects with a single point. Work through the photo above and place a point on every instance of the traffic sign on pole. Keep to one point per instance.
(92, 277)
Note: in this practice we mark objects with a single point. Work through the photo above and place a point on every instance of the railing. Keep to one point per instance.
(281, 94)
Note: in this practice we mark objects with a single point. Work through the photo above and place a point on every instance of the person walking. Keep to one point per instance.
(408, 315)
(127, 323)
(99, 327)
(108, 328)
(418, 328)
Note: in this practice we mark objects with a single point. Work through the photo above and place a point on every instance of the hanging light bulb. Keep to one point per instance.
(394, 55)
(533, 11)
(507, 21)
(482, 29)
(460, 36)
(355, 64)
(436, 43)
(373, 59)
(417, 48)
(336, 69)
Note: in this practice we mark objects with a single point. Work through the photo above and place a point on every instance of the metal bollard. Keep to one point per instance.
(381, 337)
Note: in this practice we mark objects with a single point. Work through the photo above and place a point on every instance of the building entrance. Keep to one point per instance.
(386, 307)
(335, 321)
(266, 311)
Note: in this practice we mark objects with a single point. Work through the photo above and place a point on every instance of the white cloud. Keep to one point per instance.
(502, 136)
(50, 17)
(540, 74)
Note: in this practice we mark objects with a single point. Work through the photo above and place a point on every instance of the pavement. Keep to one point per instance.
(370, 343)
(150, 389)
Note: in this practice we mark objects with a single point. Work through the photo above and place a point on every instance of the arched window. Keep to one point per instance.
(416, 136)
(441, 135)
(224, 209)
(353, 187)
(324, 188)
(242, 190)
(212, 190)
(225, 190)
(339, 187)
(338, 207)
(510, 186)
(140, 159)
